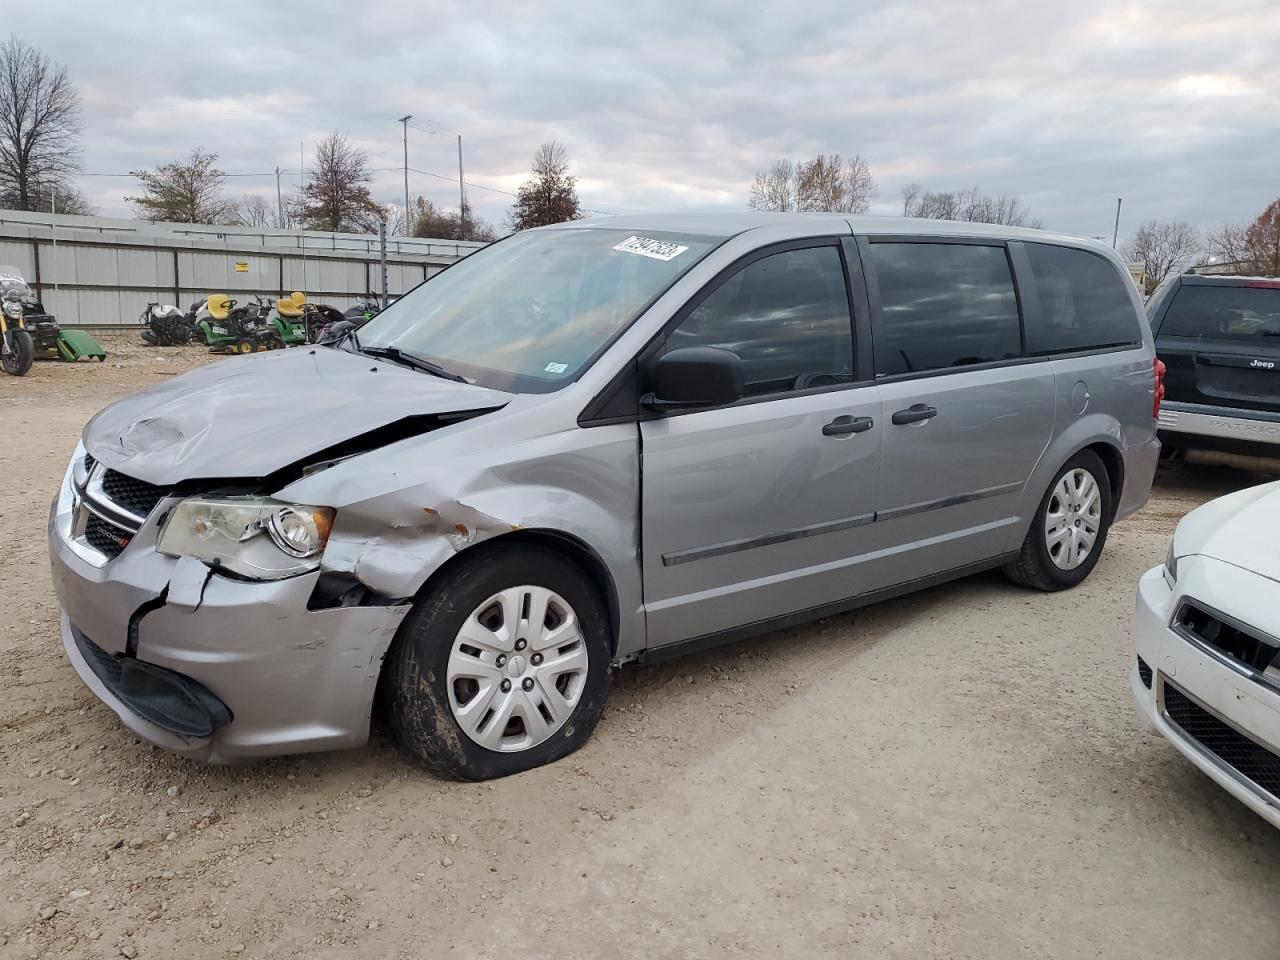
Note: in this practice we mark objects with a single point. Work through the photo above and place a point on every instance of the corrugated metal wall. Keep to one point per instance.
(91, 272)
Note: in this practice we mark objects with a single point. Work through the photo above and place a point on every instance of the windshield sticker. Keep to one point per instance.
(648, 247)
(557, 367)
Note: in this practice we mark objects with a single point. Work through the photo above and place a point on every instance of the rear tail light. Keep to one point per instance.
(1157, 372)
(1268, 284)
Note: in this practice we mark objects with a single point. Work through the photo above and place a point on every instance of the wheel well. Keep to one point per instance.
(1114, 463)
(569, 547)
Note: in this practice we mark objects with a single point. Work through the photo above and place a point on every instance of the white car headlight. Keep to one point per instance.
(12, 309)
(250, 537)
(1171, 565)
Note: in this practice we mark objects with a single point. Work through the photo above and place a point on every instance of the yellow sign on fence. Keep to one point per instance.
(242, 266)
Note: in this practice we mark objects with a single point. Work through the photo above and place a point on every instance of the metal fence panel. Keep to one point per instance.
(95, 271)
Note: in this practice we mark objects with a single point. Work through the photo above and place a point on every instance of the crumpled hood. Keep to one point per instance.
(1240, 528)
(250, 416)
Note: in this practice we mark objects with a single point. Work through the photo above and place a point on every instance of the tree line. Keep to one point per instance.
(1249, 248)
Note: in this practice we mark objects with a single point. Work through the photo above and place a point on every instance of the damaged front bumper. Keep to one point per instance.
(169, 646)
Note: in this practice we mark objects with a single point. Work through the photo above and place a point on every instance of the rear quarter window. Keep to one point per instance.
(1224, 313)
(1084, 302)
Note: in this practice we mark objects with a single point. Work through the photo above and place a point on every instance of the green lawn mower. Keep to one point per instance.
(296, 321)
(228, 328)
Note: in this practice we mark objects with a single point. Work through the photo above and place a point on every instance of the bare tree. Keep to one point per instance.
(823, 184)
(550, 195)
(775, 189)
(431, 221)
(184, 191)
(335, 196)
(39, 127)
(59, 198)
(254, 210)
(969, 205)
(1227, 243)
(1163, 248)
(1262, 242)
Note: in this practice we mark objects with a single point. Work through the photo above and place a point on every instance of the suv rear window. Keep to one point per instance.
(1223, 313)
(1084, 304)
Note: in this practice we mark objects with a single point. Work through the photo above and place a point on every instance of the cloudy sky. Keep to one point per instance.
(1173, 106)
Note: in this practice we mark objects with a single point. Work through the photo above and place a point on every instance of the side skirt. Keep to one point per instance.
(680, 648)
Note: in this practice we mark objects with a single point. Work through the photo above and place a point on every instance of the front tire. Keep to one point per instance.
(1069, 528)
(22, 353)
(502, 667)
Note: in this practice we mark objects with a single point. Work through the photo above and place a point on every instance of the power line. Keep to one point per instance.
(271, 173)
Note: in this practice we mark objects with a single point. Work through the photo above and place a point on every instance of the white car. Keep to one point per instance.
(1207, 636)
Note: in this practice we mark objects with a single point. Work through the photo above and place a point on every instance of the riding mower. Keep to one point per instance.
(297, 321)
(228, 328)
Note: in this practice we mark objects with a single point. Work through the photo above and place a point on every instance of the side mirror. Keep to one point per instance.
(693, 377)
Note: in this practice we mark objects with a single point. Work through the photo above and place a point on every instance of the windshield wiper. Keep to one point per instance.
(412, 360)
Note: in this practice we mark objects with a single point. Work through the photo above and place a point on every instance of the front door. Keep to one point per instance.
(759, 509)
(965, 418)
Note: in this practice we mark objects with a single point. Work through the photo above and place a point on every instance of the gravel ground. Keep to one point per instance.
(957, 773)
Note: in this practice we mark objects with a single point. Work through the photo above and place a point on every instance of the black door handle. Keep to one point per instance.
(843, 426)
(915, 414)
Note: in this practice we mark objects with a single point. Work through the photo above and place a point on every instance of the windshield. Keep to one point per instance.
(530, 313)
(12, 286)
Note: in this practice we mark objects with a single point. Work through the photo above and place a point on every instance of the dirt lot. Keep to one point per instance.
(953, 774)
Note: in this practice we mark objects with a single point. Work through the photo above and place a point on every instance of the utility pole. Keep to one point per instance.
(279, 201)
(1116, 235)
(382, 257)
(462, 193)
(53, 227)
(405, 121)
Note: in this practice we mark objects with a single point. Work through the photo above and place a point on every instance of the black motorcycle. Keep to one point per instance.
(353, 318)
(166, 325)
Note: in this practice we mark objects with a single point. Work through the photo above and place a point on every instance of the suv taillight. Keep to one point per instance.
(1157, 371)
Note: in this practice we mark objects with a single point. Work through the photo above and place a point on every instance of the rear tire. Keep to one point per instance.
(1069, 528)
(425, 695)
(22, 353)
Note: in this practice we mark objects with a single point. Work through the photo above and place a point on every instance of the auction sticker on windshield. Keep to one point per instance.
(648, 247)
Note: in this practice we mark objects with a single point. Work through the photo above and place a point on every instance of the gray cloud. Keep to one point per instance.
(676, 105)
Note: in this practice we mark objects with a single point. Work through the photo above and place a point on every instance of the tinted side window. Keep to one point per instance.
(1224, 313)
(943, 305)
(1084, 303)
(786, 316)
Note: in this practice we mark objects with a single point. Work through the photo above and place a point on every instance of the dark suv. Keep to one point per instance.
(1219, 338)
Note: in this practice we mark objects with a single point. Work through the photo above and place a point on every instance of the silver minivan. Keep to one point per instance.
(589, 444)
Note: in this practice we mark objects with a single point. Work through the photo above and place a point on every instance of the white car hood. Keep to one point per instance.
(1242, 528)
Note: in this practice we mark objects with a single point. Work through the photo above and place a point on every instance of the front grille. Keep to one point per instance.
(1235, 641)
(106, 538)
(89, 463)
(136, 496)
(1249, 759)
(1144, 673)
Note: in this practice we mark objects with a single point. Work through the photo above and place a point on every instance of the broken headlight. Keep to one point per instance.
(250, 537)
